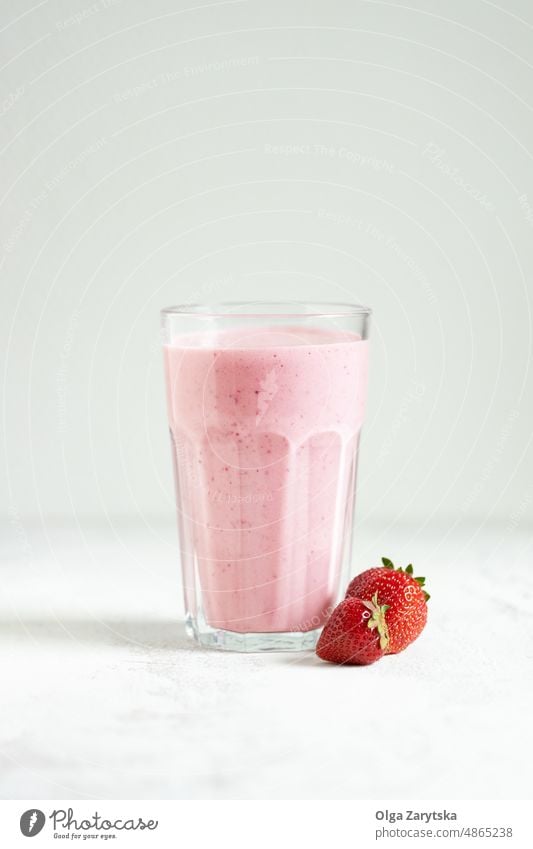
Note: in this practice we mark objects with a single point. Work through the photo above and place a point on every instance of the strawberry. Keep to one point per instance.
(404, 595)
(356, 633)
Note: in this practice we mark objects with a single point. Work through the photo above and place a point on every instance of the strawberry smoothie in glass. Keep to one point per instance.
(265, 405)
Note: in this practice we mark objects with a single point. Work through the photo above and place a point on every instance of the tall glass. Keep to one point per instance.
(265, 405)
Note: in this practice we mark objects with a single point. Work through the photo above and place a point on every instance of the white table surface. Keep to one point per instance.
(103, 696)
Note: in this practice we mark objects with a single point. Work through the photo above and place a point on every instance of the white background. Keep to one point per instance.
(377, 152)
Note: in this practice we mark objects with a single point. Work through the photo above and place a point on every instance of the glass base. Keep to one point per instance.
(218, 638)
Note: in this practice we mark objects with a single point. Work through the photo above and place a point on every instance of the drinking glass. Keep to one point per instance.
(265, 407)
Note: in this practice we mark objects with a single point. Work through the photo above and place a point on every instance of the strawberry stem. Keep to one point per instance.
(377, 620)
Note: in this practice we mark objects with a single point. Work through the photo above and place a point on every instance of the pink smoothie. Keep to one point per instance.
(265, 426)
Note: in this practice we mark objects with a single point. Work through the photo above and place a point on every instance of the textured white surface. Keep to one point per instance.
(103, 695)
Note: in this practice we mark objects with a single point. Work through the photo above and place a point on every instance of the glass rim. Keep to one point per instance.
(275, 309)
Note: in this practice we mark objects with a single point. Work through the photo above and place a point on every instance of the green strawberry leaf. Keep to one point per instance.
(388, 564)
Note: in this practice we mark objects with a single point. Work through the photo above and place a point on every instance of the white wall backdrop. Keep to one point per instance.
(370, 151)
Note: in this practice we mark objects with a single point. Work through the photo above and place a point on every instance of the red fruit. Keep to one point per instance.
(356, 633)
(405, 596)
